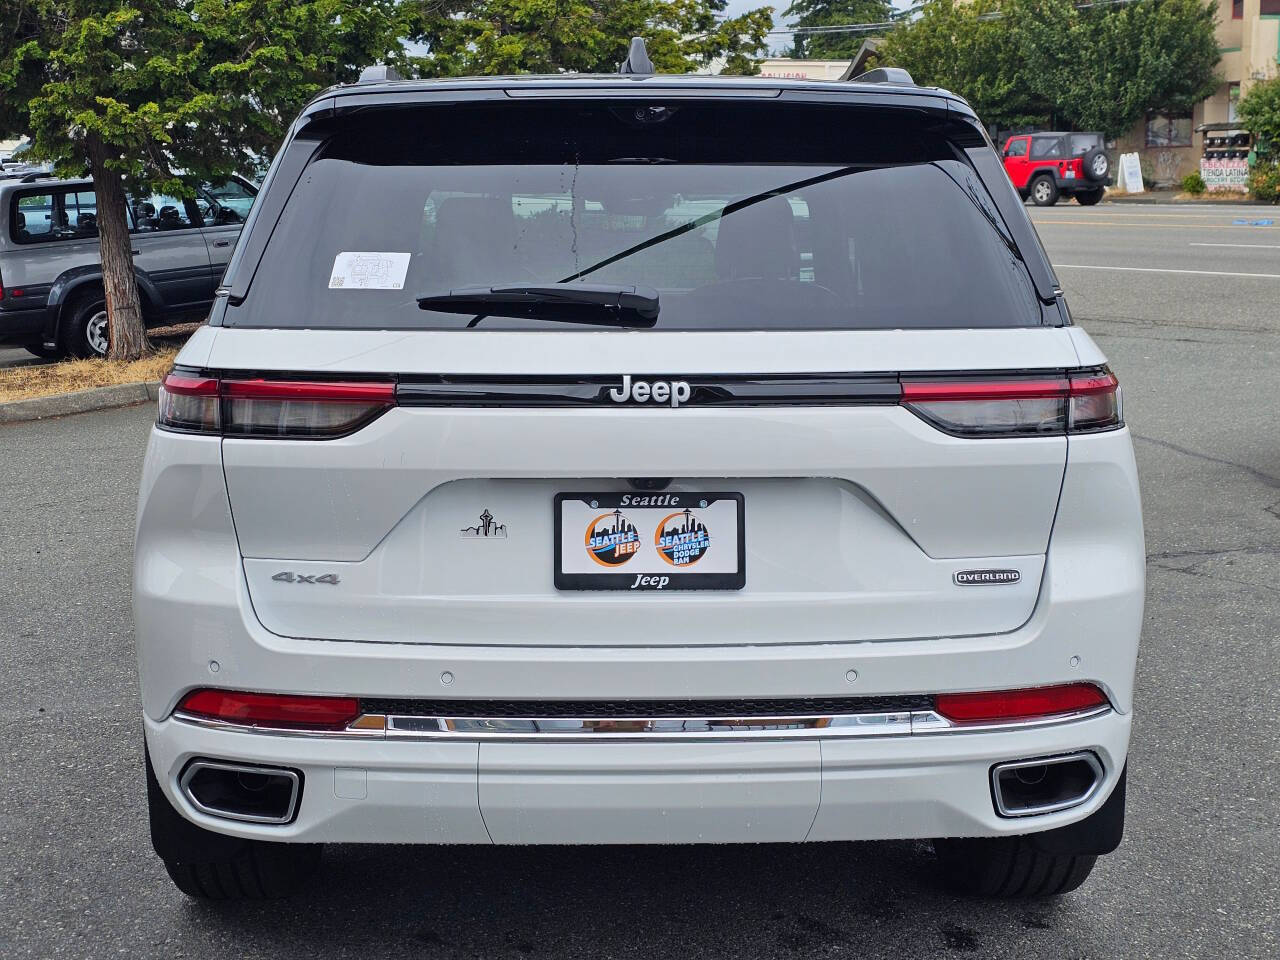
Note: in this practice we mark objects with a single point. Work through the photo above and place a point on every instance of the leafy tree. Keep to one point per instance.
(976, 50)
(155, 95)
(1100, 67)
(1260, 112)
(1105, 66)
(497, 37)
(822, 13)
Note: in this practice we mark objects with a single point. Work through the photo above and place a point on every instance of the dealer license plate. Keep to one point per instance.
(649, 541)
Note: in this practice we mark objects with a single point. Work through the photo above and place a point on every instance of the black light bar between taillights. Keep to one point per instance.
(962, 405)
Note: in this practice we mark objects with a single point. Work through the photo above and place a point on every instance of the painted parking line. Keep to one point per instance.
(1251, 246)
(1056, 221)
(1198, 273)
(1114, 214)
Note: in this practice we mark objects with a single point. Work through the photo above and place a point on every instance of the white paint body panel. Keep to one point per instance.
(482, 351)
(909, 507)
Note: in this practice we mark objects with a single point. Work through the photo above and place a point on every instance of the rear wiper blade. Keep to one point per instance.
(599, 304)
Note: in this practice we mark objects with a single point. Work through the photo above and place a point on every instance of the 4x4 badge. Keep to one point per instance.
(487, 527)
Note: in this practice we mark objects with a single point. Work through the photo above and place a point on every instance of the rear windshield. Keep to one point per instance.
(740, 217)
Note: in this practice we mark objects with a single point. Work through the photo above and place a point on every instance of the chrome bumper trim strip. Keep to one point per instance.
(650, 729)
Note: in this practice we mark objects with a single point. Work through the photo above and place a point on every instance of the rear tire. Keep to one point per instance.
(1009, 868)
(1087, 198)
(85, 333)
(212, 866)
(1044, 192)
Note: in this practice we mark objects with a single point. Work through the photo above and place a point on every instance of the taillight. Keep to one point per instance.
(266, 408)
(270, 408)
(1095, 402)
(1003, 407)
(1007, 706)
(189, 403)
(282, 711)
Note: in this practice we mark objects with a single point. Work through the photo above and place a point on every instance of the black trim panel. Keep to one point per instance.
(612, 709)
(704, 390)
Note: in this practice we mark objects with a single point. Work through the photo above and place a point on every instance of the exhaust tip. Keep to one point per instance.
(1027, 788)
(241, 791)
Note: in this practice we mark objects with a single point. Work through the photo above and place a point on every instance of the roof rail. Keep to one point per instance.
(377, 73)
(33, 177)
(885, 75)
(637, 61)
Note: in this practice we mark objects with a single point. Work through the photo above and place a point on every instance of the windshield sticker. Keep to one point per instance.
(362, 270)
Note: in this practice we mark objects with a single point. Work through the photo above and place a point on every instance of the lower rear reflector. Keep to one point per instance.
(1033, 703)
(281, 711)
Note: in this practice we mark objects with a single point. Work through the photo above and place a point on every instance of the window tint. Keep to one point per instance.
(54, 215)
(160, 211)
(231, 201)
(32, 219)
(1018, 148)
(1046, 148)
(728, 245)
(1082, 143)
(82, 213)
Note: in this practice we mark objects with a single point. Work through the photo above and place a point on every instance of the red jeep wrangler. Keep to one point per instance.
(1044, 166)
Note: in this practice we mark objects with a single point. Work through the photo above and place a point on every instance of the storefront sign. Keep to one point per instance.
(1225, 175)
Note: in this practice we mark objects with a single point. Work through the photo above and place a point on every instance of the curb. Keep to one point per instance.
(1141, 200)
(82, 401)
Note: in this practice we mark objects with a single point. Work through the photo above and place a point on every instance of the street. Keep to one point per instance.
(1186, 303)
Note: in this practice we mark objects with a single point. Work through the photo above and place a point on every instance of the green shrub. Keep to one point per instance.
(1260, 112)
(1193, 184)
(1264, 181)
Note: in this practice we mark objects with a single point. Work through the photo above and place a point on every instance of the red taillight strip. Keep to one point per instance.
(309, 390)
(922, 391)
(191, 386)
(1091, 383)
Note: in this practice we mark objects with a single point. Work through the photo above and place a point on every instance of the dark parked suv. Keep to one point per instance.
(51, 298)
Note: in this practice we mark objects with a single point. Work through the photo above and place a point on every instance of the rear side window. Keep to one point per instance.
(40, 217)
(740, 218)
(1046, 148)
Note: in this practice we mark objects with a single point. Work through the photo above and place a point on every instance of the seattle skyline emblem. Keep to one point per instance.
(682, 544)
(487, 527)
(611, 545)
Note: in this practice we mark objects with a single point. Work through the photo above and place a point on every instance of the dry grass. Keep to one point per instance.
(47, 380)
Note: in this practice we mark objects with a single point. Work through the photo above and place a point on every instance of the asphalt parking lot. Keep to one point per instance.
(1184, 300)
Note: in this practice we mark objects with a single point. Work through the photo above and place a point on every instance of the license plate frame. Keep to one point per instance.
(650, 568)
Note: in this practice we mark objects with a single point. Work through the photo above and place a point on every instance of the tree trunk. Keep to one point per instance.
(127, 335)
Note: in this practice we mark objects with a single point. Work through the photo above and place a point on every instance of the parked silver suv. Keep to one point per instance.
(51, 298)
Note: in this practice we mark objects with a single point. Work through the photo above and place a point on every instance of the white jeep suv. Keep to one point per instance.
(638, 459)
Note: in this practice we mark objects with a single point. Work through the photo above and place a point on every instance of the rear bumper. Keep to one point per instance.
(22, 327)
(1081, 184)
(875, 788)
